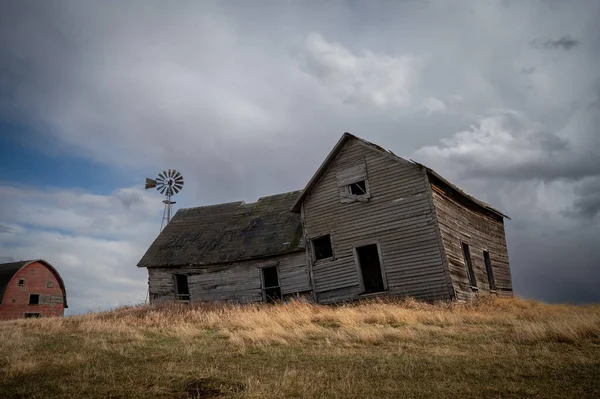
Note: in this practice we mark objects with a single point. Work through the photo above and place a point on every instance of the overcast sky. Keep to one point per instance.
(247, 98)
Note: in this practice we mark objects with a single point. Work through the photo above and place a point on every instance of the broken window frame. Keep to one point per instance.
(263, 284)
(185, 297)
(32, 301)
(466, 250)
(32, 315)
(314, 252)
(364, 192)
(487, 260)
(353, 175)
(50, 284)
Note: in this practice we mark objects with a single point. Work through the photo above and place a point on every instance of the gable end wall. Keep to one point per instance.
(398, 216)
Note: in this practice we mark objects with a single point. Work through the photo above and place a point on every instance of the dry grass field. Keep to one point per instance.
(496, 348)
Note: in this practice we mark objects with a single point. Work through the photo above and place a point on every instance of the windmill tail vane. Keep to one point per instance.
(168, 182)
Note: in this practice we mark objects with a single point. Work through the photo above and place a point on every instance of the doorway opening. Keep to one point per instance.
(370, 266)
(182, 290)
(271, 288)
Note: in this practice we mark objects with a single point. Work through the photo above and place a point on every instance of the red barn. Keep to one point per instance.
(31, 288)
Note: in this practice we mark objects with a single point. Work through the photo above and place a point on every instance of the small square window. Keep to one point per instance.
(358, 188)
(34, 299)
(322, 247)
(50, 284)
(21, 282)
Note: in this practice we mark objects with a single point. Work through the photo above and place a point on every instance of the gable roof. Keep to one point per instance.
(347, 137)
(8, 271)
(228, 232)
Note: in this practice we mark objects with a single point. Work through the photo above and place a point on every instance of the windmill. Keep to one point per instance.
(168, 182)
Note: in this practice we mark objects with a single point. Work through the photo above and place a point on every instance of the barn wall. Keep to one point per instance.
(235, 282)
(481, 231)
(398, 216)
(16, 298)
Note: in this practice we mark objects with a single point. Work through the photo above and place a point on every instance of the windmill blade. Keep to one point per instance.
(163, 175)
(170, 172)
(176, 189)
(150, 183)
(178, 186)
(162, 189)
(176, 175)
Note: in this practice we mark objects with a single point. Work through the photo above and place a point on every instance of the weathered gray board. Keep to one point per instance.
(398, 216)
(482, 231)
(235, 282)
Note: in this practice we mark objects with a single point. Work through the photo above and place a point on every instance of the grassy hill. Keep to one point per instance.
(496, 348)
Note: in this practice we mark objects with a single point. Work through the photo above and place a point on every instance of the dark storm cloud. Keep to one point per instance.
(587, 204)
(565, 42)
(246, 103)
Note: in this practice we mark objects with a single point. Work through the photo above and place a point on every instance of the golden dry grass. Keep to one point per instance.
(492, 348)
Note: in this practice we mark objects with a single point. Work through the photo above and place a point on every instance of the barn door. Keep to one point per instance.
(370, 266)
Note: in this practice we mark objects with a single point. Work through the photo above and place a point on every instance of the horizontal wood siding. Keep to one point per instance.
(481, 232)
(293, 273)
(235, 282)
(398, 216)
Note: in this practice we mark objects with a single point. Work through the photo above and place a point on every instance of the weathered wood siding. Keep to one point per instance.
(234, 282)
(398, 215)
(482, 231)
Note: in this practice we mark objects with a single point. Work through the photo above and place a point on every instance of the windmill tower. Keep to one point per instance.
(168, 182)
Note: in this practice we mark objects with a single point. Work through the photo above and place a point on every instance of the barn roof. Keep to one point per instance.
(228, 232)
(8, 271)
(347, 137)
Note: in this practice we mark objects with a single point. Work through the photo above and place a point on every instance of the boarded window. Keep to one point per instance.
(31, 315)
(358, 188)
(270, 280)
(488, 269)
(370, 266)
(322, 247)
(352, 183)
(469, 262)
(22, 282)
(34, 299)
(182, 290)
(50, 284)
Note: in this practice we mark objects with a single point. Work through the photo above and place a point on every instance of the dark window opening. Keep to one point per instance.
(31, 315)
(488, 269)
(271, 289)
(22, 282)
(50, 284)
(370, 266)
(34, 299)
(182, 290)
(469, 262)
(322, 247)
(358, 188)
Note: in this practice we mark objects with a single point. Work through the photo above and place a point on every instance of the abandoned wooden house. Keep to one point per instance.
(367, 223)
